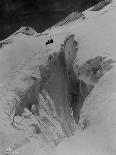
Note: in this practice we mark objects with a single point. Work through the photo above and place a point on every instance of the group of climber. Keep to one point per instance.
(49, 41)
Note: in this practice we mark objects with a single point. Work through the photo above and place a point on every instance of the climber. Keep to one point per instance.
(49, 41)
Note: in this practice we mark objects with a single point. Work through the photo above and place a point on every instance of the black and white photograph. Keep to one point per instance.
(57, 77)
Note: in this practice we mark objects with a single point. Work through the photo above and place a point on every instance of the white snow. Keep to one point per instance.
(20, 53)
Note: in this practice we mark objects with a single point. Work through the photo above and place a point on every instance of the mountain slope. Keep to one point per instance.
(66, 88)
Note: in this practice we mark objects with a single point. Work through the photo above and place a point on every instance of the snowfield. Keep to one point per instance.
(60, 98)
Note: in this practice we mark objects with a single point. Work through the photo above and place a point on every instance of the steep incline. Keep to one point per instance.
(35, 94)
(48, 92)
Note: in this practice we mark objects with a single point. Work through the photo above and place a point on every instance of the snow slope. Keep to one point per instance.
(36, 81)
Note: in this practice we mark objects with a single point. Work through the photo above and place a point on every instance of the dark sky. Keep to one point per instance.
(39, 14)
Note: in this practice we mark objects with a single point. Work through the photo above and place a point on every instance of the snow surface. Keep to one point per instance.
(19, 57)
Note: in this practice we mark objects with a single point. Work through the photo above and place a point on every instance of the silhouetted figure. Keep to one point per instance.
(51, 40)
(47, 42)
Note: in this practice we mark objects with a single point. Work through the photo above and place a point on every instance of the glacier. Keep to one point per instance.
(60, 98)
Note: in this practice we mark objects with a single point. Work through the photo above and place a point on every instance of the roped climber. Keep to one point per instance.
(49, 41)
